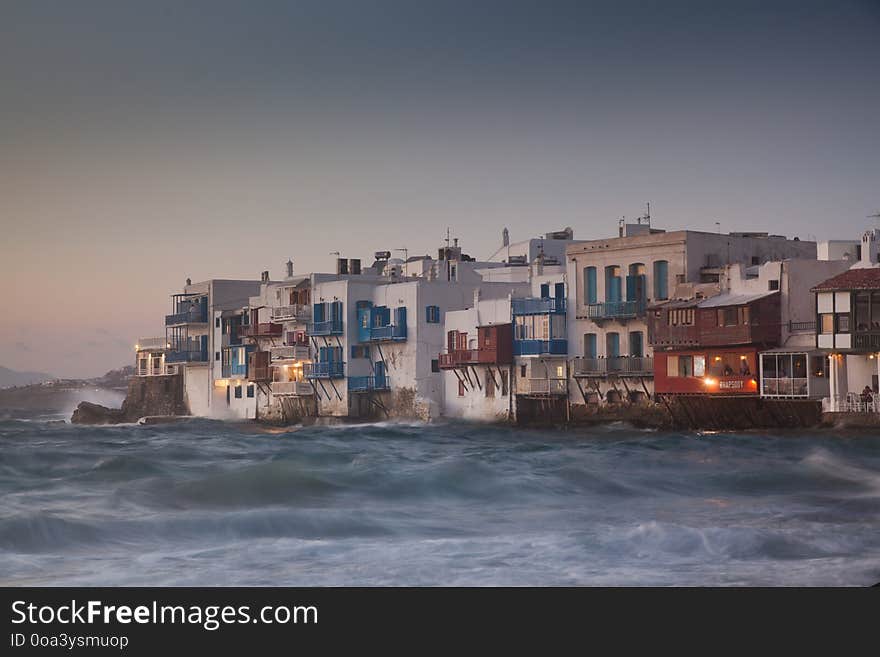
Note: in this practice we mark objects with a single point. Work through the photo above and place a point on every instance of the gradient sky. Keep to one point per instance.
(143, 143)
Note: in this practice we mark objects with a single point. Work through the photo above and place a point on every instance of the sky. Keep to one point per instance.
(142, 143)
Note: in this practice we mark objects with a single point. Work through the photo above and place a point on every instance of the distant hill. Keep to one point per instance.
(9, 378)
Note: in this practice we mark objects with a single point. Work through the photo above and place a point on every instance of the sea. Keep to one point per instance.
(207, 503)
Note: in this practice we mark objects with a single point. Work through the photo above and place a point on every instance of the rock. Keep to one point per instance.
(89, 413)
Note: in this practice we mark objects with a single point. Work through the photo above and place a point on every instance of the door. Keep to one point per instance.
(379, 374)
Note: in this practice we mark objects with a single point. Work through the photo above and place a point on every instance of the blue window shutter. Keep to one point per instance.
(400, 316)
(545, 290)
(661, 280)
(590, 284)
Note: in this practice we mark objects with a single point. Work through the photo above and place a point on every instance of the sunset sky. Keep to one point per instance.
(144, 143)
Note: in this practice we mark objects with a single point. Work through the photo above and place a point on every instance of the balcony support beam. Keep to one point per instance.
(476, 377)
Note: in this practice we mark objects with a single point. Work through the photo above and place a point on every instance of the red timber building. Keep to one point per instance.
(493, 347)
(710, 346)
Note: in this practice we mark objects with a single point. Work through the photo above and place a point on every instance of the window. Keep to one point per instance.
(216, 322)
(613, 287)
(843, 323)
(727, 316)
(636, 344)
(862, 312)
(432, 314)
(661, 280)
(522, 371)
(250, 390)
(589, 285)
(773, 284)
(819, 366)
(360, 351)
(757, 261)
(590, 341)
(685, 366)
(238, 392)
(826, 323)
(216, 355)
(612, 345)
(435, 365)
(680, 317)
(460, 388)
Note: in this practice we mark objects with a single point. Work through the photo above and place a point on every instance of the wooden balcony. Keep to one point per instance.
(263, 330)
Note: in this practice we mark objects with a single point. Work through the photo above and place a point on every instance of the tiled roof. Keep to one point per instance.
(867, 278)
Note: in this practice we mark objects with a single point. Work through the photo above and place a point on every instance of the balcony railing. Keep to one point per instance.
(234, 370)
(540, 347)
(534, 306)
(294, 352)
(553, 386)
(328, 327)
(192, 356)
(263, 330)
(260, 374)
(617, 365)
(288, 313)
(388, 332)
(367, 383)
(292, 388)
(192, 316)
(460, 357)
(616, 310)
(802, 327)
(152, 344)
(869, 341)
(328, 370)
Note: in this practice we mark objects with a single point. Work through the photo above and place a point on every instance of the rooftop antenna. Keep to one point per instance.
(447, 237)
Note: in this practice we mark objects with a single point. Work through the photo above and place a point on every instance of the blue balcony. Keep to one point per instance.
(367, 383)
(391, 332)
(540, 347)
(616, 310)
(193, 356)
(189, 311)
(328, 327)
(328, 370)
(534, 306)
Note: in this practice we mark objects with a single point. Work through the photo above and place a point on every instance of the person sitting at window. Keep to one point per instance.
(728, 370)
(744, 368)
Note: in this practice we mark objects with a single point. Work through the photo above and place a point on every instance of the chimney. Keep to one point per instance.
(354, 266)
(290, 269)
(264, 277)
(341, 266)
(505, 237)
(189, 281)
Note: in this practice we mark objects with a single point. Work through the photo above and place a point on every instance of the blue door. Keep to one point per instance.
(379, 375)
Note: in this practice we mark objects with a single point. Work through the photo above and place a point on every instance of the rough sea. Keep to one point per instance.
(211, 503)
